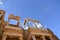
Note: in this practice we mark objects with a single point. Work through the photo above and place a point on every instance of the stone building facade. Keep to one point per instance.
(31, 31)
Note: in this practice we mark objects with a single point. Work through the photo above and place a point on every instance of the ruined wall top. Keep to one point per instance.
(36, 23)
(29, 19)
(2, 14)
(30, 23)
(11, 16)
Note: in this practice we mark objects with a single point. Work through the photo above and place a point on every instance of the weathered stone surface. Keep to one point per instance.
(15, 32)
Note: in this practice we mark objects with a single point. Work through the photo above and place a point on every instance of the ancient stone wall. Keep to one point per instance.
(15, 32)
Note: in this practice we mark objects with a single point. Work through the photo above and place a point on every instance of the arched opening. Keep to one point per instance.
(9, 38)
(13, 22)
(47, 38)
(38, 37)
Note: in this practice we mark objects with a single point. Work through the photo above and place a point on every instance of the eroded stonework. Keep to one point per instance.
(14, 32)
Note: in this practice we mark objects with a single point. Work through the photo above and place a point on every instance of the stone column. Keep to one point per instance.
(4, 37)
(33, 37)
(20, 38)
(43, 38)
(51, 38)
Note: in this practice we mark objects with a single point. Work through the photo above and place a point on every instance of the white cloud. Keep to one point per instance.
(1, 3)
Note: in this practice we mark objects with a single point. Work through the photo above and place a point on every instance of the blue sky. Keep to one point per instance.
(46, 11)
